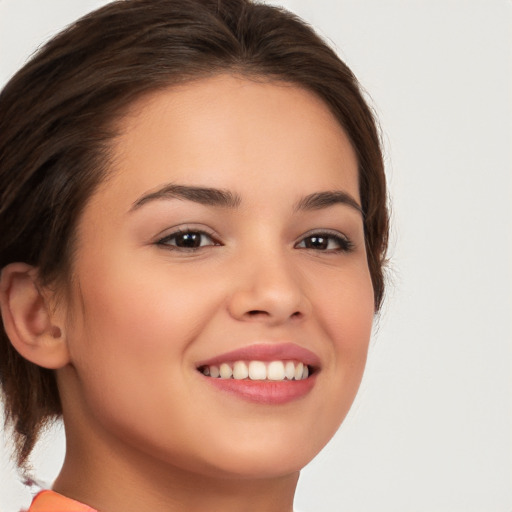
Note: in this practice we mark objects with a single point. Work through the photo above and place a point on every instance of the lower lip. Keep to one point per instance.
(265, 391)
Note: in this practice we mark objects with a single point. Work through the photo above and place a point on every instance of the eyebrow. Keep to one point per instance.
(320, 200)
(227, 199)
(203, 195)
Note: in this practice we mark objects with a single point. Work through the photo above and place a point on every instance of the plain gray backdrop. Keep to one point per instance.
(431, 430)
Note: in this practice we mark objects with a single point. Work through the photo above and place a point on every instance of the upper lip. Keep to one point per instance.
(265, 352)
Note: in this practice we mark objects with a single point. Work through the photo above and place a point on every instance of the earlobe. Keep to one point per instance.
(32, 326)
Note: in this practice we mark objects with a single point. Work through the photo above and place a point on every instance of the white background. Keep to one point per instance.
(431, 430)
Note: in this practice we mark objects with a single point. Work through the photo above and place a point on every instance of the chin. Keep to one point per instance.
(261, 466)
(267, 456)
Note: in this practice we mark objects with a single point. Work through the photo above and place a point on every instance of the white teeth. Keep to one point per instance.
(258, 370)
(289, 370)
(225, 371)
(275, 370)
(298, 371)
(240, 370)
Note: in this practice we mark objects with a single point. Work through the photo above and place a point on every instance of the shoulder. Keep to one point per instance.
(50, 501)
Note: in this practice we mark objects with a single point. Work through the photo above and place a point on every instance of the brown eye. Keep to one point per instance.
(187, 240)
(328, 242)
(317, 242)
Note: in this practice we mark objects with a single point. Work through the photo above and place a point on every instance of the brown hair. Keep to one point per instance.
(56, 122)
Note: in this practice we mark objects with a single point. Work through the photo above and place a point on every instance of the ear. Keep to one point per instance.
(32, 325)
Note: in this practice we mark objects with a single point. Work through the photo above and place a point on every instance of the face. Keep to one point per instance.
(227, 239)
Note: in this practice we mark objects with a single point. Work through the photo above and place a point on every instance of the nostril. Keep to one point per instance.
(256, 312)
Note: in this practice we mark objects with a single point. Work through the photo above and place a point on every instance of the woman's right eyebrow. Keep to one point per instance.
(203, 195)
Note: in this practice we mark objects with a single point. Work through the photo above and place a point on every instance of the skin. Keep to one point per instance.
(144, 429)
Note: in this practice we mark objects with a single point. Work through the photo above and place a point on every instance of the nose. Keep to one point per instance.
(268, 288)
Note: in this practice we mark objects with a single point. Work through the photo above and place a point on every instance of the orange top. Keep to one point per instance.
(50, 501)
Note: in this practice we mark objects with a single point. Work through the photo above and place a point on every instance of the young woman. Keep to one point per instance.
(194, 225)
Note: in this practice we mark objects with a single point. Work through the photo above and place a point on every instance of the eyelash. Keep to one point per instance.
(344, 244)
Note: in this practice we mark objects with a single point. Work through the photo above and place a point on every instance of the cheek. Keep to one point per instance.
(133, 311)
(129, 341)
(350, 304)
(347, 317)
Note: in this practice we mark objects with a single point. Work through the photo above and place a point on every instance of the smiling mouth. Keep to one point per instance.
(275, 371)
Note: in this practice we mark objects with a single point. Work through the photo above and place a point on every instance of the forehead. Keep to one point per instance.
(234, 132)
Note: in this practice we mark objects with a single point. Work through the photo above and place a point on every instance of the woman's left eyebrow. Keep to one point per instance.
(319, 200)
